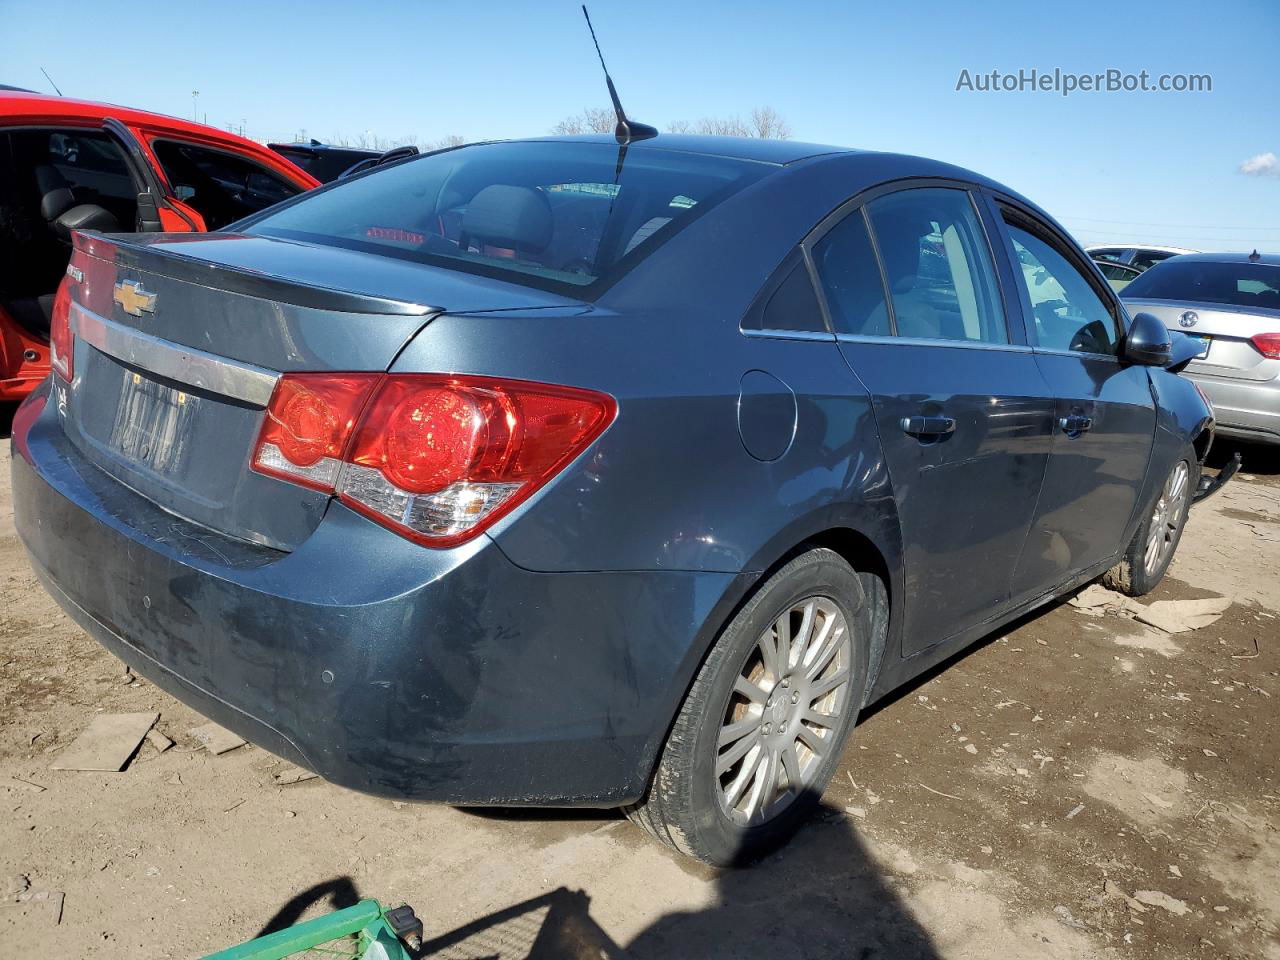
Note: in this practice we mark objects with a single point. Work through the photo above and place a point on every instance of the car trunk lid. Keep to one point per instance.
(1224, 332)
(180, 341)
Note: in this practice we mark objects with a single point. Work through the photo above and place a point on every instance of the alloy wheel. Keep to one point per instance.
(784, 712)
(1167, 517)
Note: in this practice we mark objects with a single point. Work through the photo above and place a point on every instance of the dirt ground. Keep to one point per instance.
(1076, 786)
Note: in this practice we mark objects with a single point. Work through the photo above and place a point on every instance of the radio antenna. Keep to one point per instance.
(627, 130)
(51, 83)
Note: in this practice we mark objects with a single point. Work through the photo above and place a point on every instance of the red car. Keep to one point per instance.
(67, 165)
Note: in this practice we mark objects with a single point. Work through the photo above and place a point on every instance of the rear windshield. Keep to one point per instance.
(1250, 285)
(558, 215)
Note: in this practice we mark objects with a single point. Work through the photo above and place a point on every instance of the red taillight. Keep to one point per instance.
(61, 343)
(1267, 344)
(435, 458)
(308, 424)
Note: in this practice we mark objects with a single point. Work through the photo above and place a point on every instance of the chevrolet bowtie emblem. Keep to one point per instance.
(133, 298)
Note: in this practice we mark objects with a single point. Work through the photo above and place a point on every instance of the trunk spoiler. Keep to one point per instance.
(220, 276)
(1210, 485)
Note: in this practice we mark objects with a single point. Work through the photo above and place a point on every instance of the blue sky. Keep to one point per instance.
(1164, 167)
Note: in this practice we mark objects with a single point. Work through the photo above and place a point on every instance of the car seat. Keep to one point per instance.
(62, 213)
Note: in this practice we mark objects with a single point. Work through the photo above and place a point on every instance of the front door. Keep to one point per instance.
(1105, 419)
(963, 412)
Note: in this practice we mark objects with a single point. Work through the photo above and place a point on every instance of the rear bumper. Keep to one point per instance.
(1243, 408)
(450, 676)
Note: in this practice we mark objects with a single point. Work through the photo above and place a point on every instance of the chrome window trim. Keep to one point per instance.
(860, 203)
(206, 371)
(926, 342)
(1055, 352)
(775, 334)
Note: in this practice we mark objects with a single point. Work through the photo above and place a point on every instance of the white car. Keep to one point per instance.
(1135, 255)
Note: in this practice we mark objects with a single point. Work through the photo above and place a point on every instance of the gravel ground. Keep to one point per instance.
(1075, 786)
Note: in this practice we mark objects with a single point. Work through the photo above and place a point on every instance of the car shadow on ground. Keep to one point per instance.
(1257, 458)
(822, 895)
(7, 410)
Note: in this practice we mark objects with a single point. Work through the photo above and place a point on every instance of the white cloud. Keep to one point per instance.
(1262, 165)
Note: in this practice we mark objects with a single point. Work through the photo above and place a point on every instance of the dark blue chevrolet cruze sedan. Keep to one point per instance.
(571, 472)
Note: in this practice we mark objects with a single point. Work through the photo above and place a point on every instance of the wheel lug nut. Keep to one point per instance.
(786, 681)
(795, 698)
(767, 728)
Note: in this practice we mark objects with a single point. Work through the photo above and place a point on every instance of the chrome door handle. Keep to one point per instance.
(928, 426)
(1075, 424)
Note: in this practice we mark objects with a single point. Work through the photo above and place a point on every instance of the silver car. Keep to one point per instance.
(1230, 302)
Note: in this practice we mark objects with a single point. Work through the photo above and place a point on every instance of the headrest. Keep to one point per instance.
(86, 216)
(899, 239)
(55, 193)
(509, 216)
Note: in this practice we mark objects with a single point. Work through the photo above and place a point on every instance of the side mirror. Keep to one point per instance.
(1148, 342)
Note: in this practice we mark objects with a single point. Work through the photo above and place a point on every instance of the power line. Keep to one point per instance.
(1136, 238)
(1172, 226)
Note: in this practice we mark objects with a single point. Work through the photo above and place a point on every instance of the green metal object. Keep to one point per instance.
(369, 932)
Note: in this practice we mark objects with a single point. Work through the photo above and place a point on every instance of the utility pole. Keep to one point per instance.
(195, 106)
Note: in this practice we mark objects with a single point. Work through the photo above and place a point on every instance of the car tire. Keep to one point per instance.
(1157, 537)
(729, 811)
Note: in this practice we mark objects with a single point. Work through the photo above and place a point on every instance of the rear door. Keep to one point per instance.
(1104, 421)
(911, 288)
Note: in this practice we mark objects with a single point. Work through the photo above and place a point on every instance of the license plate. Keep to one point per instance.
(1203, 343)
(152, 425)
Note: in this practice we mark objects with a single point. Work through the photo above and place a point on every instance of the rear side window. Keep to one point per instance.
(788, 302)
(325, 165)
(938, 266)
(1248, 285)
(1108, 253)
(220, 186)
(1142, 259)
(557, 215)
(1068, 314)
(846, 263)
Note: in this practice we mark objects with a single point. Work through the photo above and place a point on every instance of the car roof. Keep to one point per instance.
(41, 105)
(1138, 246)
(41, 108)
(777, 152)
(1270, 259)
(312, 146)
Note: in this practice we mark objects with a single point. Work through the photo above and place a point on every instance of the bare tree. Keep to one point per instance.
(590, 120)
(764, 123)
(371, 141)
(768, 124)
(452, 140)
(722, 127)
